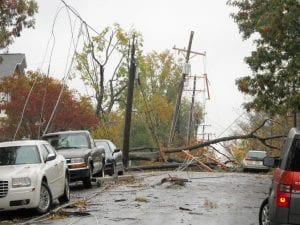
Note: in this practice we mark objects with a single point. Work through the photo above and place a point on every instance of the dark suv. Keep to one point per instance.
(282, 207)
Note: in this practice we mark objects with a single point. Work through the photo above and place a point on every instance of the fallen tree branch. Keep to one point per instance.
(160, 166)
(142, 149)
(251, 135)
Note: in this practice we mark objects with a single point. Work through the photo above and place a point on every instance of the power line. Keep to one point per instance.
(24, 108)
(64, 80)
(75, 12)
(35, 81)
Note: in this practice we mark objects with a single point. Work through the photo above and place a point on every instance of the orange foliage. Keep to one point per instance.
(71, 112)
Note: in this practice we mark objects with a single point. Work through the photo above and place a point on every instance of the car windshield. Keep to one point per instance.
(104, 145)
(259, 155)
(67, 141)
(17, 155)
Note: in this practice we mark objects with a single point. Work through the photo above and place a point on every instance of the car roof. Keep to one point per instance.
(22, 142)
(294, 132)
(101, 140)
(66, 132)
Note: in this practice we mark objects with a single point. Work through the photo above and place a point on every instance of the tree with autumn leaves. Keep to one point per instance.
(72, 112)
(275, 80)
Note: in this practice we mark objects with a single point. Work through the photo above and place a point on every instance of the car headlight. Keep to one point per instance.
(77, 163)
(77, 160)
(21, 182)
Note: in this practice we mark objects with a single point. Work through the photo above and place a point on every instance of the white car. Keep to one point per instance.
(254, 161)
(32, 175)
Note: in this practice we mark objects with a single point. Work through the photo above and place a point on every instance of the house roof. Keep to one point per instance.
(9, 63)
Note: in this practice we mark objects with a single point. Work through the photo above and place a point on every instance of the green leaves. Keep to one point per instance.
(274, 83)
(15, 16)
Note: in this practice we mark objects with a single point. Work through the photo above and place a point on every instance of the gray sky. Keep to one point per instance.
(163, 24)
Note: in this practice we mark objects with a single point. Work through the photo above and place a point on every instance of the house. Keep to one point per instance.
(10, 65)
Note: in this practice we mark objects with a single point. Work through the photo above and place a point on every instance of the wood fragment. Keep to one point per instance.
(198, 161)
(185, 209)
(174, 180)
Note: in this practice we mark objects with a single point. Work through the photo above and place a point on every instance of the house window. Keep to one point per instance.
(4, 97)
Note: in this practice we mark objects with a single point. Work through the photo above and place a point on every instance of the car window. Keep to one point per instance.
(17, 155)
(45, 152)
(70, 140)
(105, 145)
(112, 146)
(294, 159)
(286, 155)
(259, 155)
(50, 149)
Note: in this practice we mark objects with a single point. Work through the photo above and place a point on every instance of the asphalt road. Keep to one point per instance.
(206, 198)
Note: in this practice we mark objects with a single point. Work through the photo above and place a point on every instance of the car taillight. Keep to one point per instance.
(283, 196)
(248, 159)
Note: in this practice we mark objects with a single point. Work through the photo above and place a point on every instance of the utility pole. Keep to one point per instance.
(180, 90)
(191, 113)
(130, 87)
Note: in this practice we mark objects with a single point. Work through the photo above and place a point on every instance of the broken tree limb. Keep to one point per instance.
(144, 149)
(251, 135)
(216, 161)
(174, 180)
(198, 161)
(160, 166)
(147, 156)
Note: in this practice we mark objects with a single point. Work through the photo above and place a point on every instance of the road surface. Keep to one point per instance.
(206, 198)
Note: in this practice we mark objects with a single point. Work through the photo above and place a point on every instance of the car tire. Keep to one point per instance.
(45, 199)
(114, 171)
(87, 182)
(121, 172)
(66, 196)
(102, 171)
(264, 218)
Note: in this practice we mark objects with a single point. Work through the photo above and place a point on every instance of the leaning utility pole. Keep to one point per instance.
(180, 89)
(130, 87)
(191, 113)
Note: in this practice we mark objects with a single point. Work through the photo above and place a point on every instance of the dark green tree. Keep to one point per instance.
(15, 15)
(274, 25)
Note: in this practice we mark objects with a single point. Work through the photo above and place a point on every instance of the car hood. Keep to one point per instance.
(74, 152)
(26, 170)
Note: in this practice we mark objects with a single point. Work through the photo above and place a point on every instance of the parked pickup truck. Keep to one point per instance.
(84, 158)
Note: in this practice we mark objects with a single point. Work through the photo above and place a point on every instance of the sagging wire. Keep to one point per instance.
(48, 71)
(35, 81)
(24, 108)
(64, 81)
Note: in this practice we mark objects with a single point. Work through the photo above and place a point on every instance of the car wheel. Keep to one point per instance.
(264, 218)
(66, 196)
(121, 172)
(114, 171)
(102, 172)
(87, 182)
(45, 199)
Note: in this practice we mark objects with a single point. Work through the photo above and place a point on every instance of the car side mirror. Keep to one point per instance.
(117, 150)
(50, 157)
(271, 161)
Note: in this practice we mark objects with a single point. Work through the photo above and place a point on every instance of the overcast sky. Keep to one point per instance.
(163, 24)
